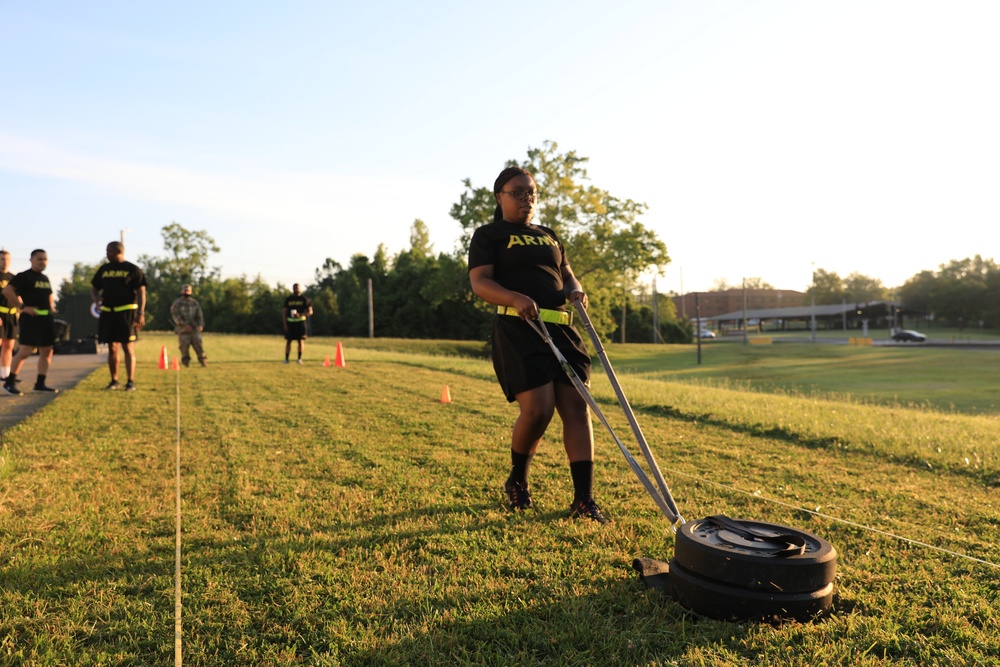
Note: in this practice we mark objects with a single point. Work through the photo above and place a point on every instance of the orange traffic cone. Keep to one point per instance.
(163, 358)
(174, 364)
(340, 362)
(326, 362)
(445, 395)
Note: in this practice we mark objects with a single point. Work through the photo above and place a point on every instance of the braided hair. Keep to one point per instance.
(506, 175)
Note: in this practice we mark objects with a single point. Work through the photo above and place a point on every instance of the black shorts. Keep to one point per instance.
(8, 326)
(523, 361)
(37, 330)
(296, 331)
(122, 327)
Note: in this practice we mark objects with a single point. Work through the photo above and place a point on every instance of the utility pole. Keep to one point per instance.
(697, 314)
(371, 311)
(745, 322)
(812, 291)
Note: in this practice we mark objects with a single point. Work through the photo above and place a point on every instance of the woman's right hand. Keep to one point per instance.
(526, 308)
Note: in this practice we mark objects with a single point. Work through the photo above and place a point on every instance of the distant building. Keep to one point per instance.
(711, 304)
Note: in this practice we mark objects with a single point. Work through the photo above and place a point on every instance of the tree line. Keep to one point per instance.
(421, 294)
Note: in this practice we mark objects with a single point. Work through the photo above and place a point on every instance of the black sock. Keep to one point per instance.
(583, 479)
(519, 467)
(40, 382)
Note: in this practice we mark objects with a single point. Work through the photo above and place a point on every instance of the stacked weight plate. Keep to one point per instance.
(734, 569)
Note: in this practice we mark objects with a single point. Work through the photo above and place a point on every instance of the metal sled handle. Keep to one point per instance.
(666, 507)
(643, 445)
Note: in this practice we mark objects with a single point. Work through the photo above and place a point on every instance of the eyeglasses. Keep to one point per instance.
(521, 193)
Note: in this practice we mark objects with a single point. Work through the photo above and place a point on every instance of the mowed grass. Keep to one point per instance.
(345, 516)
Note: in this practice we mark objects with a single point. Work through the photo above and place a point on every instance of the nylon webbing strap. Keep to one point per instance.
(177, 539)
(785, 545)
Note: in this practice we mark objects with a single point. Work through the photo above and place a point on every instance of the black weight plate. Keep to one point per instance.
(731, 603)
(703, 547)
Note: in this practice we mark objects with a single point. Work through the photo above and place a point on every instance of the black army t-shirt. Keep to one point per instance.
(119, 283)
(33, 288)
(299, 303)
(526, 258)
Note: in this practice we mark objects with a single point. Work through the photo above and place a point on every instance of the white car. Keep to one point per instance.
(705, 333)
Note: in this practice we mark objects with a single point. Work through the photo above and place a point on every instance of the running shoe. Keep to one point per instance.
(518, 495)
(204, 362)
(12, 389)
(44, 389)
(589, 509)
(129, 386)
(299, 362)
(286, 361)
(186, 362)
(113, 386)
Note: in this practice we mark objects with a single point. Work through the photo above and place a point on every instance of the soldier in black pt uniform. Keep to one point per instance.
(31, 293)
(293, 315)
(522, 269)
(119, 290)
(8, 319)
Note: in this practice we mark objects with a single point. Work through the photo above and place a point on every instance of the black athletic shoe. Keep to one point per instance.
(129, 386)
(113, 386)
(44, 389)
(186, 362)
(518, 495)
(11, 389)
(589, 509)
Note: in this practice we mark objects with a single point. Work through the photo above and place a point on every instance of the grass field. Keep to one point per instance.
(345, 516)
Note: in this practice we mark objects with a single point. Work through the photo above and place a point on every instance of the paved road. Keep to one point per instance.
(64, 374)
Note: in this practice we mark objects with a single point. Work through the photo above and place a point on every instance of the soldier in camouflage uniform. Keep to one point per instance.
(189, 322)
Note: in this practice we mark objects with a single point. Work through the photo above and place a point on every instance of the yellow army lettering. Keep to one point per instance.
(114, 274)
(528, 239)
(42, 284)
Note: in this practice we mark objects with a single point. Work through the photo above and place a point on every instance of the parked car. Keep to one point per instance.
(909, 336)
(705, 333)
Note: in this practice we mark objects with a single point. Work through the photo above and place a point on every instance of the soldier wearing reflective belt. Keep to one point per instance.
(30, 292)
(119, 290)
(297, 309)
(8, 319)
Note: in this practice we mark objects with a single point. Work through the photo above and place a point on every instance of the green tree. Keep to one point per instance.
(186, 262)
(859, 288)
(827, 287)
(607, 244)
(78, 282)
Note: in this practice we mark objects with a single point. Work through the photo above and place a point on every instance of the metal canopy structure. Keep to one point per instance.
(874, 312)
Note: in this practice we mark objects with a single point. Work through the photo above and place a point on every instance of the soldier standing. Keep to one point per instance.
(8, 319)
(297, 309)
(31, 293)
(189, 322)
(119, 289)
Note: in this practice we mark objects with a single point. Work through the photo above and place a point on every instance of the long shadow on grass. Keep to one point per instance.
(984, 476)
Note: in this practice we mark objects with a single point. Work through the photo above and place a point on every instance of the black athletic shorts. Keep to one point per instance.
(121, 327)
(523, 361)
(8, 326)
(37, 330)
(296, 331)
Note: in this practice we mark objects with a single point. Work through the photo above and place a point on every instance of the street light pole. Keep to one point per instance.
(812, 291)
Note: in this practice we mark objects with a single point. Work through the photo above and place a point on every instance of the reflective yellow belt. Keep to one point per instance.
(5, 309)
(296, 319)
(544, 314)
(40, 313)
(119, 309)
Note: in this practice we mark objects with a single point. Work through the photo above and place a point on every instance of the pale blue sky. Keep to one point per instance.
(766, 137)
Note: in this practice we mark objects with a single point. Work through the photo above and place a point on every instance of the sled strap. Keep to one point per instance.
(785, 545)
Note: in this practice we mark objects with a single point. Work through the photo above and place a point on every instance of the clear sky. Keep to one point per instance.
(767, 138)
